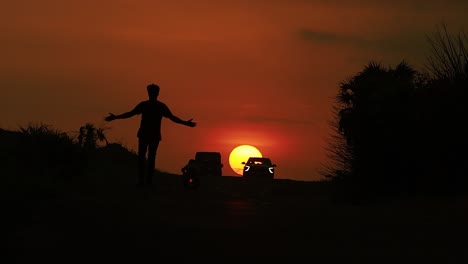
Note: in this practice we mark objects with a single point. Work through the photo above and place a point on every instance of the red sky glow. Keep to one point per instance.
(262, 73)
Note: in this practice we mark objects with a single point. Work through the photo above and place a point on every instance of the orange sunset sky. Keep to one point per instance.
(254, 72)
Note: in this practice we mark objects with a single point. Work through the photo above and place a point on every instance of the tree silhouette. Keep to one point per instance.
(371, 119)
(89, 136)
(397, 129)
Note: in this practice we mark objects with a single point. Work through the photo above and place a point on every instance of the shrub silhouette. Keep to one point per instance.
(39, 157)
(448, 58)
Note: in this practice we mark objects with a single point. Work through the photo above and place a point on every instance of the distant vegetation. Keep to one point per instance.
(403, 130)
(39, 158)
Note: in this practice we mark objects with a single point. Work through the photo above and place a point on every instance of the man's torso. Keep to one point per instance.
(152, 113)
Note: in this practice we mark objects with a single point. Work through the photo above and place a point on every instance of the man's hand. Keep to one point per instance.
(190, 123)
(110, 117)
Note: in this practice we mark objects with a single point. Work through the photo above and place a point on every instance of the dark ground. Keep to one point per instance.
(229, 219)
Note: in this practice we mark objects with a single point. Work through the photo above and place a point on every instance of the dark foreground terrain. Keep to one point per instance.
(229, 219)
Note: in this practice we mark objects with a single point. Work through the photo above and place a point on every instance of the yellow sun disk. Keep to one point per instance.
(240, 154)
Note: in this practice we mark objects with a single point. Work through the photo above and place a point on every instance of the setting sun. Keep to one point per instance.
(242, 153)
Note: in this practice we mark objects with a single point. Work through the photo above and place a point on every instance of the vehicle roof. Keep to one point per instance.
(258, 158)
(207, 155)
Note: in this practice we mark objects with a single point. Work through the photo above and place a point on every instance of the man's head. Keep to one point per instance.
(153, 91)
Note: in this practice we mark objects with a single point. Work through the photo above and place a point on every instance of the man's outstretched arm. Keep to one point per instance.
(177, 120)
(111, 116)
(135, 111)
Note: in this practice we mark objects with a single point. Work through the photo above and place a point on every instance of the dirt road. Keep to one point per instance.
(232, 219)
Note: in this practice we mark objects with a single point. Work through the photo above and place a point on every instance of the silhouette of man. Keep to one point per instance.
(149, 134)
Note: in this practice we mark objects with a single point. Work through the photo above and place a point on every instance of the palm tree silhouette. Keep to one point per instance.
(372, 118)
(89, 136)
(398, 127)
(100, 135)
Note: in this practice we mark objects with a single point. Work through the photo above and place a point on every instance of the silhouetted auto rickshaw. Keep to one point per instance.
(191, 175)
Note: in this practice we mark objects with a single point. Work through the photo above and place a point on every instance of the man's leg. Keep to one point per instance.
(152, 149)
(142, 148)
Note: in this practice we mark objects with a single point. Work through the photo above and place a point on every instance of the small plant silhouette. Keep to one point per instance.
(89, 136)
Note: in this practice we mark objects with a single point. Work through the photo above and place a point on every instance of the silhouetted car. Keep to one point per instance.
(209, 163)
(258, 167)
